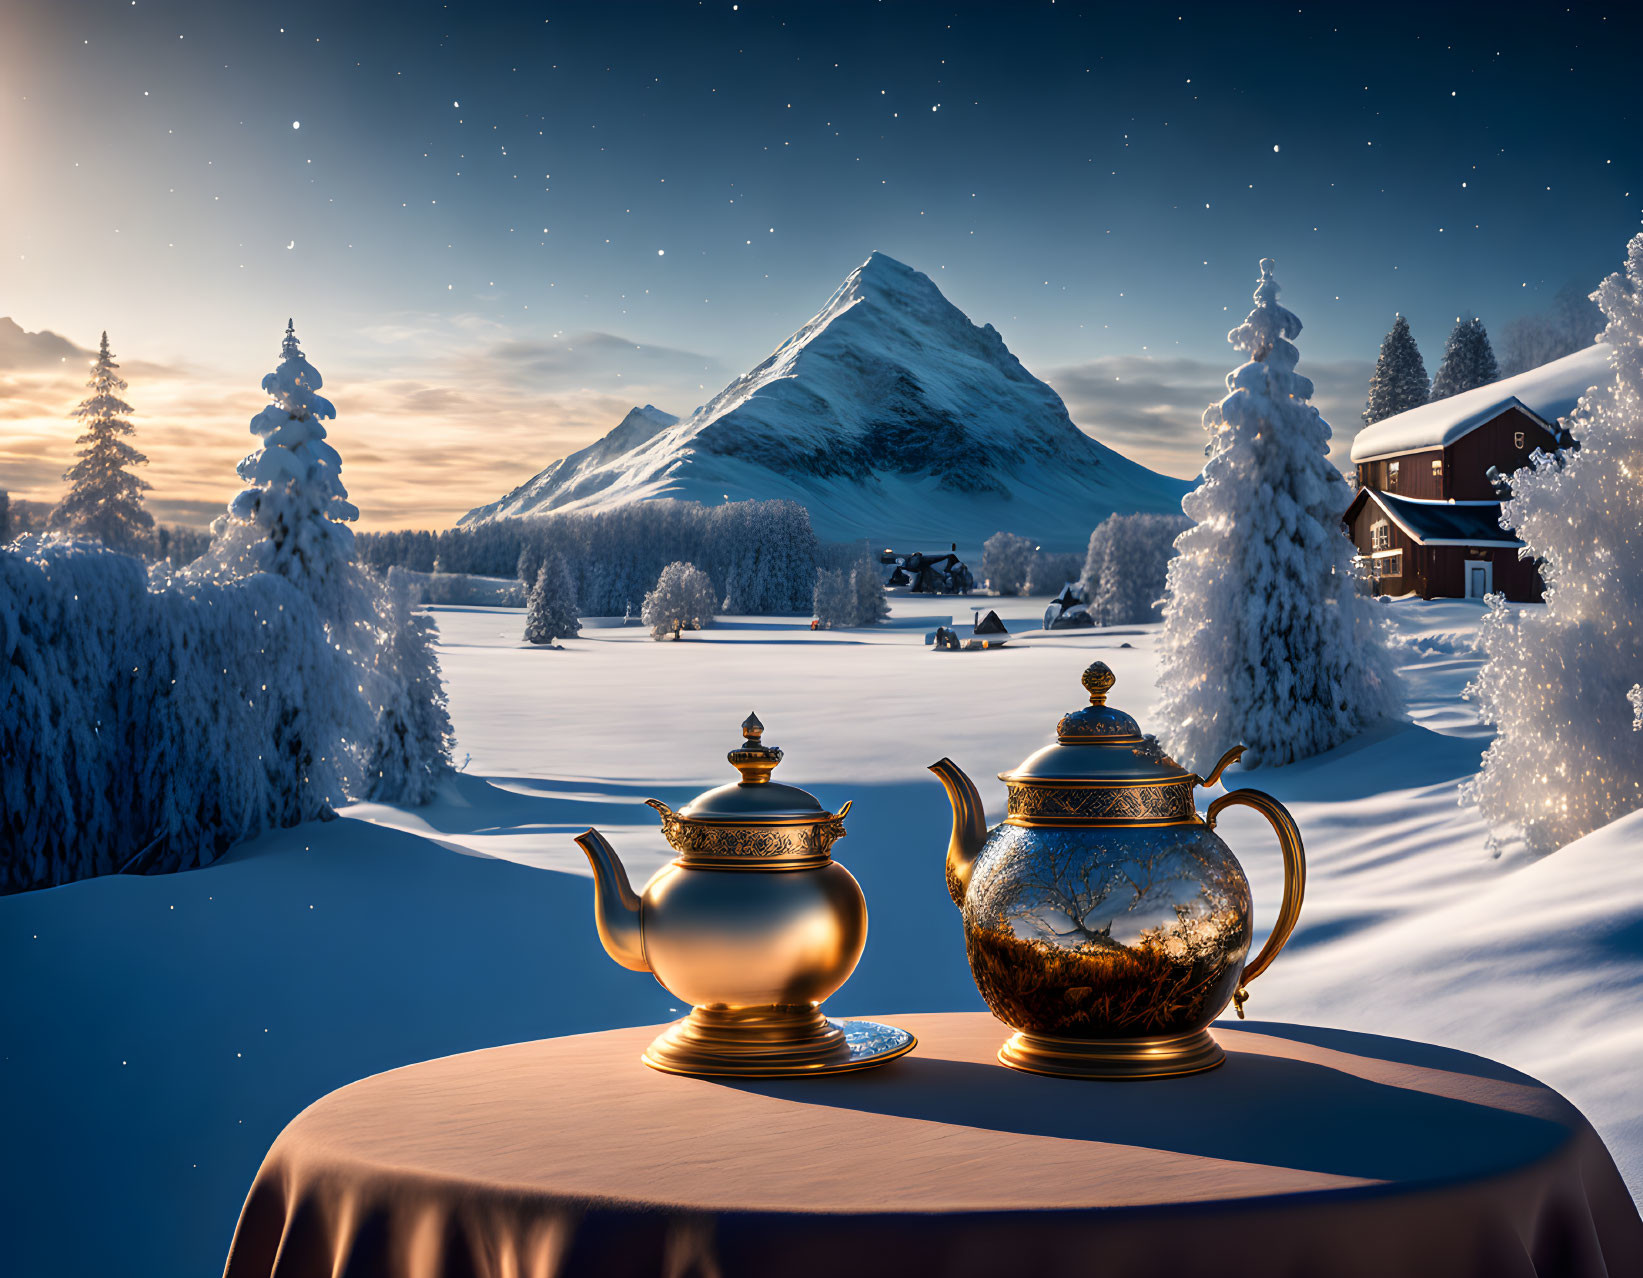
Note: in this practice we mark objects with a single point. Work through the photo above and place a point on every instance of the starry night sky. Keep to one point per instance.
(499, 226)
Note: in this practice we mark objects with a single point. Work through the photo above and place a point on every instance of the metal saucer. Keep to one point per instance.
(865, 1044)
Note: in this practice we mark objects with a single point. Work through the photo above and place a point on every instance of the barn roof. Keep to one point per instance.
(1547, 393)
(1443, 523)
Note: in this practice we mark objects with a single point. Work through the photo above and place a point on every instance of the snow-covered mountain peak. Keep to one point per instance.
(889, 414)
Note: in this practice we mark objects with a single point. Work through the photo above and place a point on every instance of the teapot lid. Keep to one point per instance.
(1098, 743)
(755, 799)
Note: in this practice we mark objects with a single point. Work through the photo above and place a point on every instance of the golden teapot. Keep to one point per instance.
(1105, 920)
(753, 923)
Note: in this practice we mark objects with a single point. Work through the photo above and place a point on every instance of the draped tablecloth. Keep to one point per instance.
(1310, 1152)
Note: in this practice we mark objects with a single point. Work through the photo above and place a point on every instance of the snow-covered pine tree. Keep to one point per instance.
(1557, 681)
(1005, 558)
(1266, 641)
(1468, 361)
(292, 516)
(291, 519)
(867, 584)
(550, 609)
(682, 599)
(411, 748)
(834, 600)
(105, 500)
(1399, 381)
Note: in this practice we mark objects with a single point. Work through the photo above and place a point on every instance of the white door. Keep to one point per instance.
(1480, 578)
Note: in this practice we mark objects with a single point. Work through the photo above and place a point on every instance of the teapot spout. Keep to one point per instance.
(615, 904)
(969, 827)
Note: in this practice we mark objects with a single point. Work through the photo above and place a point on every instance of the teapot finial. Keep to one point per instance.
(753, 759)
(1099, 679)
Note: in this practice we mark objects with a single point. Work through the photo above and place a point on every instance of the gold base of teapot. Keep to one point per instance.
(772, 1042)
(1113, 1058)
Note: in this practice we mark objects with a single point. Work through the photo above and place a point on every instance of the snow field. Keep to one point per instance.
(160, 1031)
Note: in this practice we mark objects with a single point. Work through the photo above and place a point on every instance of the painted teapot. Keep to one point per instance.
(1105, 921)
(753, 923)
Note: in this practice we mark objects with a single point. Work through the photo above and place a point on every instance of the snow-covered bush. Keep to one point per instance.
(291, 520)
(550, 608)
(1005, 559)
(850, 597)
(1124, 571)
(681, 600)
(1399, 381)
(105, 500)
(1049, 571)
(1265, 641)
(1556, 682)
(152, 725)
(1468, 361)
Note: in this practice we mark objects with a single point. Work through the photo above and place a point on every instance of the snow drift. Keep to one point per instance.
(889, 416)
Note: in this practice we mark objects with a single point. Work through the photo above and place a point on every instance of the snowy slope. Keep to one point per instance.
(164, 1029)
(890, 416)
(637, 429)
(1550, 391)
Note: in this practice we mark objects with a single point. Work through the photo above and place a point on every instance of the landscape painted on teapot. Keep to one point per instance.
(640, 396)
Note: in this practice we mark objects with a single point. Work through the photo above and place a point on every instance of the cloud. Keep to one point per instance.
(595, 359)
(1151, 408)
(20, 349)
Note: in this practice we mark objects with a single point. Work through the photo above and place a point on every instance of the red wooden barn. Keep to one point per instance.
(1426, 518)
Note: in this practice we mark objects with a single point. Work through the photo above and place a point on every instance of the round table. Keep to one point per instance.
(1310, 1152)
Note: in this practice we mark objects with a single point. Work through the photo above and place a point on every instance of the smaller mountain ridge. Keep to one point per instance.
(889, 415)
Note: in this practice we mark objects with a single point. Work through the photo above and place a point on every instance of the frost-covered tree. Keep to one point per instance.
(1556, 680)
(851, 596)
(291, 520)
(292, 516)
(105, 500)
(834, 602)
(1468, 361)
(1570, 324)
(1049, 571)
(5, 516)
(410, 749)
(148, 723)
(1125, 569)
(681, 600)
(1399, 381)
(1266, 641)
(1005, 559)
(550, 609)
(867, 583)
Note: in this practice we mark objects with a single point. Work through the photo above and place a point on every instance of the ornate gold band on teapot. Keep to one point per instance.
(1092, 803)
(797, 844)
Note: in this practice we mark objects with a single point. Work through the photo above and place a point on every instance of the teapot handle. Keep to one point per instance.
(1289, 912)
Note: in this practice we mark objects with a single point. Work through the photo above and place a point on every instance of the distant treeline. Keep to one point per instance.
(760, 555)
(179, 543)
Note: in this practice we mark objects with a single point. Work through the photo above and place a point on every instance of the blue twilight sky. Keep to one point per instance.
(498, 226)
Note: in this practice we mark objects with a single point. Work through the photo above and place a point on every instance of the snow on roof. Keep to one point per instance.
(1445, 523)
(1548, 392)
